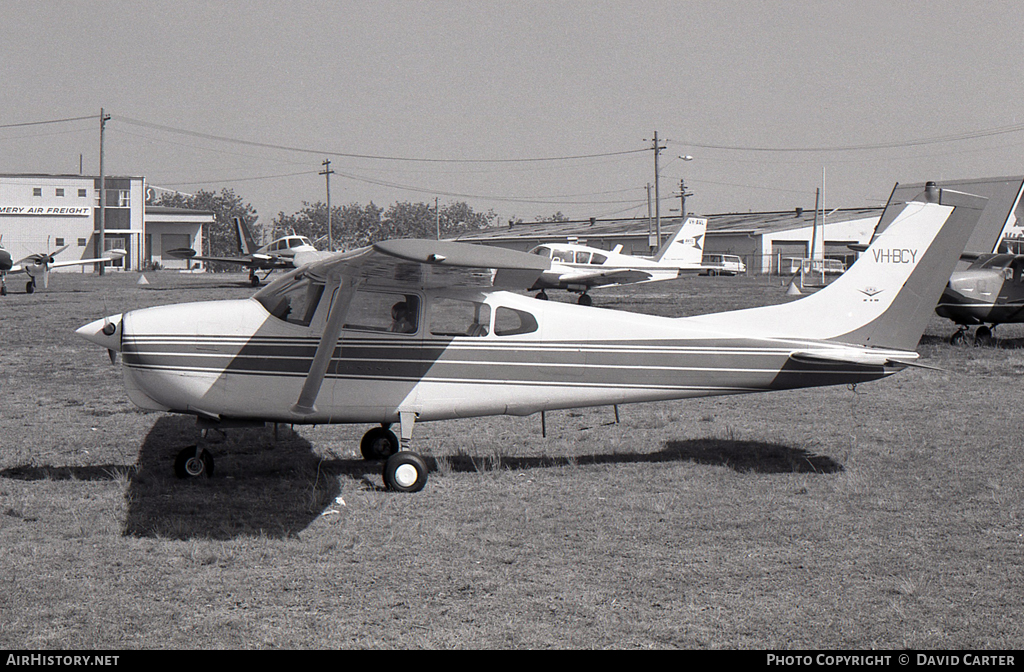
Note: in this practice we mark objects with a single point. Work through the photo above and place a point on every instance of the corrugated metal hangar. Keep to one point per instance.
(41, 213)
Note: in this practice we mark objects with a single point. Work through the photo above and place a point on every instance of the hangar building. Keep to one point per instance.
(770, 242)
(41, 213)
(765, 240)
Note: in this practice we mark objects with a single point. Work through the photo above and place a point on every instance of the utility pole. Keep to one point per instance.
(657, 193)
(651, 246)
(101, 240)
(682, 199)
(327, 172)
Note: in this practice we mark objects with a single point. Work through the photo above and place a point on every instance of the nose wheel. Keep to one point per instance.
(405, 472)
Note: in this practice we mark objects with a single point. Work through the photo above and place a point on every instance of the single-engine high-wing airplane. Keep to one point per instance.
(38, 266)
(286, 252)
(988, 292)
(578, 268)
(409, 331)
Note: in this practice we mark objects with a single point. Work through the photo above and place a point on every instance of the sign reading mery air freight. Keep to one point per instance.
(79, 211)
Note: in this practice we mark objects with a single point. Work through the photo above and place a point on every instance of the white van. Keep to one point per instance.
(722, 264)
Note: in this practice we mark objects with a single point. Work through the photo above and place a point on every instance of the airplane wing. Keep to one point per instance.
(622, 276)
(108, 256)
(431, 264)
(39, 259)
(254, 260)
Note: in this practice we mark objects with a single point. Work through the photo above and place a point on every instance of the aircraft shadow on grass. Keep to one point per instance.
(741, 456)
(276, 487)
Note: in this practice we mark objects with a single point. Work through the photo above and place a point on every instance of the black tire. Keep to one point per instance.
(186, 465)
(30, 287)
(585, 300)
(542, 296)
(405, 472)
(984, 336)
(959, 338)
(378, 444)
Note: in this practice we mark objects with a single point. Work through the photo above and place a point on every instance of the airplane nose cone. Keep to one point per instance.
(105, 332)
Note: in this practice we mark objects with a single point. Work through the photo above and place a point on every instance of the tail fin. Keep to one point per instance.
(888, 295)
(246, 245)
(686, 248)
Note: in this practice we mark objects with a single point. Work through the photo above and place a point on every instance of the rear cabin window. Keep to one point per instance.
(384, 311)
(294, 301)
(455, 317)
(509, 322)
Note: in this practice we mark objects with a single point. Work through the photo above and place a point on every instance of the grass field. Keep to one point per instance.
(889, 516)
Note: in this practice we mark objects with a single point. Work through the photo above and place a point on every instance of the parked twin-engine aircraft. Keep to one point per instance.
(286, 252)
(409, 331)
(989, 292)
(38, 266)
(578, 268)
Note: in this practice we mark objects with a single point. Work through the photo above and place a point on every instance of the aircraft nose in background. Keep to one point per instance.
(105, 332)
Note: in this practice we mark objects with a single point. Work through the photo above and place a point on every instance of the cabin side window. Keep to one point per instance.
(384, 311)
(598, 259)
(293, 301)
(510, 322)
(456, 317)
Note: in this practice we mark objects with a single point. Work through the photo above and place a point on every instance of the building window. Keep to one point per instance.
(59, 242)
(37, 191)
(82, 193)
(60, 192)
(81, 242)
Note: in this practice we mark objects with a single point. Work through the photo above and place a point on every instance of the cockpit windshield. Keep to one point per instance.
(293, 298)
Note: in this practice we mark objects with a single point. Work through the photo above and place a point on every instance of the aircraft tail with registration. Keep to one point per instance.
(887, 296)
(686, 248)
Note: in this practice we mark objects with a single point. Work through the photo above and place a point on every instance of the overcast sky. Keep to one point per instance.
(525, 108)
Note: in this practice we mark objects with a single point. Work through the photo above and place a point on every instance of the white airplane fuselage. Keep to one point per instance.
(232, 359)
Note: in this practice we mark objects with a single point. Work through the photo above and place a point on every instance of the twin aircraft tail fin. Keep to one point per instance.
(888, 295)
(246, 244)
(686, 248)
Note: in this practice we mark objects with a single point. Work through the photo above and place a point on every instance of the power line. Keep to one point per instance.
(51, 121)
(350, 155)
(970, 135)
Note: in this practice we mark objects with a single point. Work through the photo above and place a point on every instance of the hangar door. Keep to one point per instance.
(786, 249)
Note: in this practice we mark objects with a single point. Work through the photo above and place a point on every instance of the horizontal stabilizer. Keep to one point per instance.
(864, 358)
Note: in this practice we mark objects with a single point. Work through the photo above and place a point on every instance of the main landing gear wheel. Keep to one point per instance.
(379, 443)
(585, 300)
(405, 472)
(30, 286)
(542, 295)
(984, 336)
(189, 464)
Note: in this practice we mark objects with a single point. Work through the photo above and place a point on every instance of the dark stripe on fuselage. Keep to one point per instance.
(726, 365)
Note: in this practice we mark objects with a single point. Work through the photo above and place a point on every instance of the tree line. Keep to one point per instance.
(352, 225)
